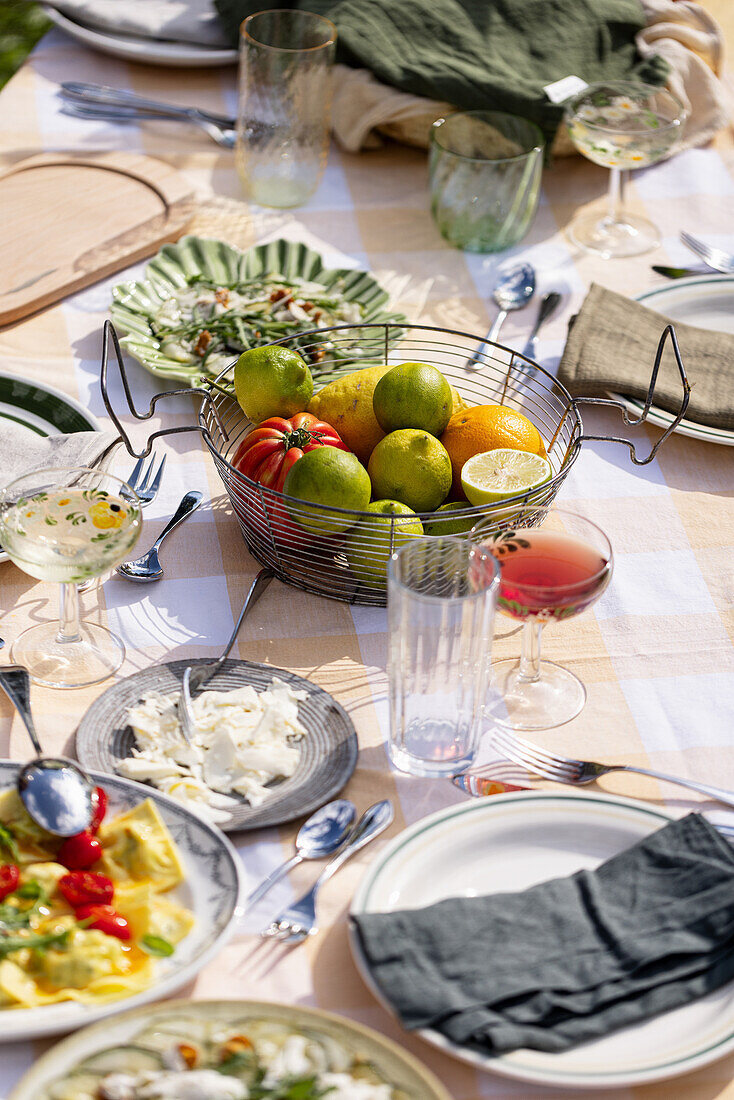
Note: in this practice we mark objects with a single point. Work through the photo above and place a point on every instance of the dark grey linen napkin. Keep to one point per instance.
(611, 348)
(568, 960)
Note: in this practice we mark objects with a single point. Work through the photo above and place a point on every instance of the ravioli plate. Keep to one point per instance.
(211, 891)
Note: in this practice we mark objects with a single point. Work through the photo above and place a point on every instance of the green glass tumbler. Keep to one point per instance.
(485, 169)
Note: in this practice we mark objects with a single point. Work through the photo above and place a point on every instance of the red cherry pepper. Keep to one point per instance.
(100, 809)
(86, 888)
(79, 852)
(9, 879)
(105, 919)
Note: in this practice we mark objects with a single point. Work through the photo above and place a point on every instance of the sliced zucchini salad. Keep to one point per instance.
(186, 1057)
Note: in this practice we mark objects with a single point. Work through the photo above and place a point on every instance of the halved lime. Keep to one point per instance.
(497, 475)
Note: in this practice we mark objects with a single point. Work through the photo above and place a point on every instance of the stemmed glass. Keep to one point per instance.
(68, 524)
(553, 565)
(621, 125)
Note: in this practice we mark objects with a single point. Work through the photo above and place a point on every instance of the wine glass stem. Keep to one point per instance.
(616, 194)
(529, 671)
(68, 614)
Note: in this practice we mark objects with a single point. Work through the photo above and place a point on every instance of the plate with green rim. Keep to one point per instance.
(511, 842)
(42, 410)
(134, 304)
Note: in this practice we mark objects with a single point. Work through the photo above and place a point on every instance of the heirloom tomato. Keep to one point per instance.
(267, 453)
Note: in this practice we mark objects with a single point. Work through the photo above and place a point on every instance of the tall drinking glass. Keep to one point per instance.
(67, 525)
(553, 565)
(441, 598)
(485, 169)
(286, 58)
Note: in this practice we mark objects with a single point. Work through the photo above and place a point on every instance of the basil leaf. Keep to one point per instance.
(7, 842)
(31, 890)
(156, 945)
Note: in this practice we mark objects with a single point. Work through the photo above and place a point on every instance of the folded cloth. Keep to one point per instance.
(611, 347)
(190, 21)
(24, 451)
(571, 959)
(496, 54)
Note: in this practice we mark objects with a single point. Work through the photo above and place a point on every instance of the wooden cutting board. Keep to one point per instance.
(70, 220)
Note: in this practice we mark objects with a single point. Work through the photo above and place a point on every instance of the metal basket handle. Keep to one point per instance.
(110, 337)
(634, 421)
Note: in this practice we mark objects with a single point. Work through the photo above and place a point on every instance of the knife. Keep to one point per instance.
(678, 272)
(478, 786)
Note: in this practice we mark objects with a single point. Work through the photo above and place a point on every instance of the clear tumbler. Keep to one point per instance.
(286, 58)
(441, 599)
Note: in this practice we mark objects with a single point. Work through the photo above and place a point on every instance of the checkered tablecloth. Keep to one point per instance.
(656, 652)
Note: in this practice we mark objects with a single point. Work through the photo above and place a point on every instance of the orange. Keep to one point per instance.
(487, 428)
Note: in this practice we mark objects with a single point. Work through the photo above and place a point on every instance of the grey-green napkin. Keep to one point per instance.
(611, 348)
(571, 959)
(496, 54)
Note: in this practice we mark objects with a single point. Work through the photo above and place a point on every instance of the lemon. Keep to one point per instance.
(328, 477)
(369, 544)
(410, 466)
(272, 381)
(346, 404)
(413, 395)
(505, 472)
(443, 524)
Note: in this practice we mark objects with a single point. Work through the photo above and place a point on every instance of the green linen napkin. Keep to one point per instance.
(611, 348)
(495, 54)
(569, 960)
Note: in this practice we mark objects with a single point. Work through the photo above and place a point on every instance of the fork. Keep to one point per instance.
(565, 769)
(146, 484)
(298, 921)
(714, 257)
(222, 135)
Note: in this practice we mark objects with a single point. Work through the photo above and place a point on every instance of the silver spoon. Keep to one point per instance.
(514, 289)
(56, 792)
(323, 833)
(548, 306)
(148, 567)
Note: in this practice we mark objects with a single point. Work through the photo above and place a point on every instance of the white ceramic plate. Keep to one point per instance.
(399, 1066)
(211, 891)
(149, 51)
(706, 302)
(40, 409)
(511, 842)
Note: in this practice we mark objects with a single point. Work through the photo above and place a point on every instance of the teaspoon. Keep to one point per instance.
(323, 833)
(56, 792)
(148, 567)
(514, 289)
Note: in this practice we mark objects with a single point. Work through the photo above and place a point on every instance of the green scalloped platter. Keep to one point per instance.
(192, 260)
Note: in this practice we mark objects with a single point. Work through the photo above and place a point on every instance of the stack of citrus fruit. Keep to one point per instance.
(386, 442)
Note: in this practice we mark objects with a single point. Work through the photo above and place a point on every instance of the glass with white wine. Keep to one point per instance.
(68, 525)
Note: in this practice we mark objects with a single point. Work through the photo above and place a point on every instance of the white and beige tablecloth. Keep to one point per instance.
(656, 652)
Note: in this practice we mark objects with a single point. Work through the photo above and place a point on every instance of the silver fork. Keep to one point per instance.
(714, 257)
(298, 921)
(222, 135)
(144, 483)
(565, 769)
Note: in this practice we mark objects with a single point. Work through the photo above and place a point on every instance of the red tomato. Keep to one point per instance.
(106, 919)
(79, 852)
(86, 888)
(267, 453)
(99, 798)
(9, 879)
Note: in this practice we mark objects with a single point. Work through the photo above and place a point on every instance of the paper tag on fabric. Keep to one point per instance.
(563, 89)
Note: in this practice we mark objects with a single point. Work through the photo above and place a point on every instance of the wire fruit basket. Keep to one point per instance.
(340, 553)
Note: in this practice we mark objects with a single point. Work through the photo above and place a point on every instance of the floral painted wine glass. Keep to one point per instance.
(553, 565)
(67, 525)
(621, 126)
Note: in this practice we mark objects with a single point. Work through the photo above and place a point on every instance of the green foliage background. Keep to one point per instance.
(21, 26)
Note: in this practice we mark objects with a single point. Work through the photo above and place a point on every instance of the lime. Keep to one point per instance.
(413, 395)
(444, 525)
(369, 544)
(497, 475)
(411, 466)
(272, 381)
(328, 477)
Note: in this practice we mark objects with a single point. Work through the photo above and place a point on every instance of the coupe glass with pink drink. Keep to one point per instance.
(553, 565)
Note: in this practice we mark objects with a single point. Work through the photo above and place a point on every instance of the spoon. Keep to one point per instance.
(548, 307)
(56, 792)
(148, 567)
(514, 289)
(323, 833)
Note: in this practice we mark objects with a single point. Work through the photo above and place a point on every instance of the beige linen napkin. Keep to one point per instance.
(23, 452)
(683, 33)
(611, 348)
